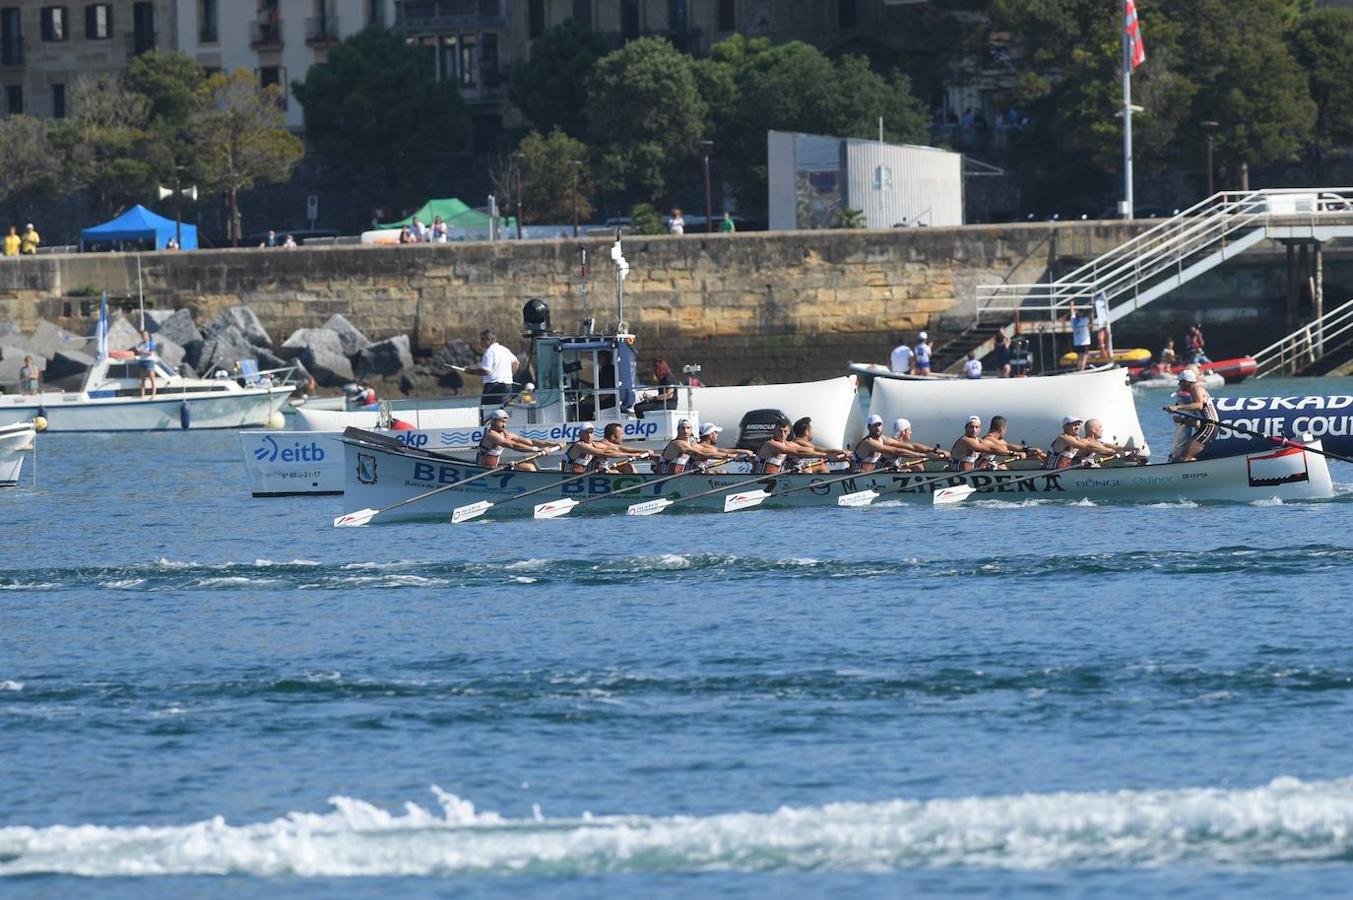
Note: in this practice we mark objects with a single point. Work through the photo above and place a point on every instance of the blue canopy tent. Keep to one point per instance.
(139, 224)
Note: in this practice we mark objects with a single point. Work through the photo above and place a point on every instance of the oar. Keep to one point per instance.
(556, 508)
(363, 516)
(475, 510)
(756, 498)
(1280, 441)
(960, 492)
(653, 507)
(869, 495)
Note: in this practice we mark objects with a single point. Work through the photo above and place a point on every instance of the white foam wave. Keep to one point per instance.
(30, 586)
(295, 562)
(119, 583)
(1283, 822)
(1173, 504)
(1268, 501)
(11, 685)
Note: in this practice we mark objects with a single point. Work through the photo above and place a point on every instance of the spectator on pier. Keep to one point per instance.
(972, 366)
(727, 226)
(922, 353)
(677, 224)
(270, 240)
(1080, 336)
(12, 242)
(1002, 354)
(28, 244)
(900, 360)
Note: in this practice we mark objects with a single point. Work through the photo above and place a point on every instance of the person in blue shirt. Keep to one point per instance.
(145, 361)
(1080, 336)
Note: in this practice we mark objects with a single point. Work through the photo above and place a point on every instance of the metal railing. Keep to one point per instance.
(321, 30)
(265, 33)
(1166, 250)
(1308, 344)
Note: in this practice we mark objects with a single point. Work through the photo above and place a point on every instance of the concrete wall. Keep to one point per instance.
(745, 306)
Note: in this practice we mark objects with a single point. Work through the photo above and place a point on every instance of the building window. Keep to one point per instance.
(449, 49)
(14, 99)
(54, 23)
(488, 60)
(375, 12)
(208, 22)
(582, 12)
(143, 27)
(728, 15)
(535, 19)
(847, 13)
(98, 22)
(629, 18)
(676, 15)
(274, 76)
(11, 36)
(58, 101)
(469, 68)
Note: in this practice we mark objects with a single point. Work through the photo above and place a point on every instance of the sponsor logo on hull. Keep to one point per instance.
(366, 468)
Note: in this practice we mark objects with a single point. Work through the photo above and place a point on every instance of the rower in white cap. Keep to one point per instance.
(870, 450)
(1192, 398)
(1069, 446)
(709, 450)
(497, 438)
(901, 440)
(969, 449)
(921, 354)
(587, 454)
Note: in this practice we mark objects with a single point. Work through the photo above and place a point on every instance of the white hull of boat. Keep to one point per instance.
(14, 440)
(1210, 380)
(1034, 406)
(423, 416)
(377, 476)
(250, 407)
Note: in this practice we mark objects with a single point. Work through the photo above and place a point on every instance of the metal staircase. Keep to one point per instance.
(1166, 256)
(1315, 348)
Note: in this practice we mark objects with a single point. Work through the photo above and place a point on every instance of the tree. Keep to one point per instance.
(31, 166)
(376, 106)
(1323, 46)
(550, 88)
(170, 84)
(549, 168)
(241, 139)
(645, 116)
(103, 143)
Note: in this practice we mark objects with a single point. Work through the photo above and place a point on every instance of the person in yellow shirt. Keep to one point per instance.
(12, 242)
(29, 242)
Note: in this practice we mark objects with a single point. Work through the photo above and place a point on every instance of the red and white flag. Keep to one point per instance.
(1136, 49)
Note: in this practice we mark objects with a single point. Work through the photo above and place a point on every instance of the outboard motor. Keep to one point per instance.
(535, 317)
(756, 427)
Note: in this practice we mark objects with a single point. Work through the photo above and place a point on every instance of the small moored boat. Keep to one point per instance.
(15, 439)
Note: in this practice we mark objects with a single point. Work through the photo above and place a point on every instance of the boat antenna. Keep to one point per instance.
(622, 268)
(140, 292)
(582, 289)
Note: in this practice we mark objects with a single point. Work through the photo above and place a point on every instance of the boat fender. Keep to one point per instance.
(42, 411)
(185, 417)
(400, 425)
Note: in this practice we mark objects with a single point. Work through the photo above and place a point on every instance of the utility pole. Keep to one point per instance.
(1209, 127)
(705, 148)
(576, 165)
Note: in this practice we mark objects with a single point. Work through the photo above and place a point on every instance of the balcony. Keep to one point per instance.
(321, 30)
(208, 34)
(265, 34)
(139, 42)
(439, 15)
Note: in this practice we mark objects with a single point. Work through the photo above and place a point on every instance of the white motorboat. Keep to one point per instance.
(1210, 380)
(15, 440)
(403, 483)
(110, 400)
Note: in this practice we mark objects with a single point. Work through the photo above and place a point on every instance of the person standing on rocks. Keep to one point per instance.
(497, 367)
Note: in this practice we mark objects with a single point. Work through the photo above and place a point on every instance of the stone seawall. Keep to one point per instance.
(776, 306)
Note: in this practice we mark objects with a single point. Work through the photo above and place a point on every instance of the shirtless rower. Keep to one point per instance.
(969, 449)
(774, 454)
(497, 438)
(709, 443)
(1094, 431)
(1070, 449)
(995, 436)
(901, 439)
(676, 456)
(1192, 398)
(611, 436)
(870, 451)
(802, 435)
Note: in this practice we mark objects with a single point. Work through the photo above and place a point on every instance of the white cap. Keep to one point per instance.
(922, 335)
(681, 422)
(873, 420)
(586, 426)
(709, 428)
(1068, 420)
(901, 425)
(1189, 376)
(973, 420)
(498, 414)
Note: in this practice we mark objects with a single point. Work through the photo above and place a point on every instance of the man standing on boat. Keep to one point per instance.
(1080, 336)
(145, 362)
(922, 354)
(28, 376)
(497, 367)
(900, 361)
(1191, 435)
(497, 438)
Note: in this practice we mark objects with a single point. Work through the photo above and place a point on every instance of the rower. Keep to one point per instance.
(995, 436)
(803, 436)
(775, 452)
(676, 456)
(870, 450)
(901, 440)
(969, 449)
(1193, 398)
(709, 444)
(583, 455)
(611, 436)
(1068, 446)
(497, 438)
(1094, 434)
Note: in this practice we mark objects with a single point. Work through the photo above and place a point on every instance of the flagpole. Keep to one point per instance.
(1127, 117)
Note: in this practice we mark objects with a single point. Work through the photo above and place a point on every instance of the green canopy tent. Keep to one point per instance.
(454, 213)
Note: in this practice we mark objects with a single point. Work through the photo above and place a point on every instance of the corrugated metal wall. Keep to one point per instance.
(897, 184)
(780, 175)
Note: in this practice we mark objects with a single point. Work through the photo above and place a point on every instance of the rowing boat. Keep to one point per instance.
(380, 472)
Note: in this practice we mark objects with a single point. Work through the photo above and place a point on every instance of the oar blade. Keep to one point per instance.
(471, 511)
(554, 508)
(648, 507)
(952, 495)
(858, 498)
(356, 519)
(744, 500)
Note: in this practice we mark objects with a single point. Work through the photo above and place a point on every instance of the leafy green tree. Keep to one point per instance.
(645, 219)
(169, 83)
(103, 144)
(31, 166)
(375, 106)
(550, 88)
(551, 168)
(242, 139)
(1323, 46)
(645, 116)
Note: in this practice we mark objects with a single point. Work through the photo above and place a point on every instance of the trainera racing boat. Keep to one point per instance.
(406, 483)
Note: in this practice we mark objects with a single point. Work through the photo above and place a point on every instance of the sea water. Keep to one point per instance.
(202, 694)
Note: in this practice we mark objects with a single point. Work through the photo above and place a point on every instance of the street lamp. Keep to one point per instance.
(577, 167)
(1209, 128)
(705, 148)
(516, 167)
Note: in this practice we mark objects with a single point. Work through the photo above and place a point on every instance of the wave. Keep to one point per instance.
(1286, 821)
(170, 575)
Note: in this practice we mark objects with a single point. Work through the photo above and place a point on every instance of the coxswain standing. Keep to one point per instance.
(1005, 450)
(803, 436)
(1193, 398)
(709, 444)
(611, 436)
(497, 438)
(776, 451)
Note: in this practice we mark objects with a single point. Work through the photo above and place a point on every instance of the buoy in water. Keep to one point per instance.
(185, 417)
(276, 421)
(40, 423)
